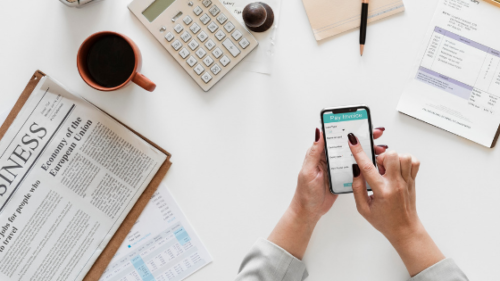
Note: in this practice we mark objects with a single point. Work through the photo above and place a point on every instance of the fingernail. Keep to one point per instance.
(380, 128)
(383, 145)
(352, 139)
(355, 170)
(317, 135)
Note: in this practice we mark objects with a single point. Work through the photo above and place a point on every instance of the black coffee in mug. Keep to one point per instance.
(110, 61)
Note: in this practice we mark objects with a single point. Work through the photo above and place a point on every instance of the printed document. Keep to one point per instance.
(261, 59)
(69, 174)
(161, 246)
(456, 82)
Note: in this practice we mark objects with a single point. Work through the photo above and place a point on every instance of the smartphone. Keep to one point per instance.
(337, 123)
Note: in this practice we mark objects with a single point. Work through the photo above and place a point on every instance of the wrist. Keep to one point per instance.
(416, 248)
(302, 215)
(407, 235)
(293, 231)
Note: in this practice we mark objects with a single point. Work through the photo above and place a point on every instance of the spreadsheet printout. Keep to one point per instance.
(456, 82)
(161, 246)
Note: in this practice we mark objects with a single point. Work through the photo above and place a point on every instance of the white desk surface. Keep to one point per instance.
(237, 149)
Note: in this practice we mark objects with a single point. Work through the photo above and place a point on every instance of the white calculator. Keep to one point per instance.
(203, 36)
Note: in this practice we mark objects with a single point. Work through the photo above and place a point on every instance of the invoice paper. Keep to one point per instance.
(161, 246)
(456, 82)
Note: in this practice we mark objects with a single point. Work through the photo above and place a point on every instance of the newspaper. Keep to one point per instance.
(69, 174)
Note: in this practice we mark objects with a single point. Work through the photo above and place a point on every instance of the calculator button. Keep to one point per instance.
(206, 77)
(220, 35)
(244, 43)
(193, 44)
(229, 26)
(197, 11)
(208, 61)
(195, 28)
(210, 44)
(176, 45)
(191, 61)
(199, 69)
(202, 36)
(205, 19)
(184, 53)
(187, 20)
(222, 18)
(186, 36)
(190, 3)
(214, 10)
(178, 28)
(212, 27)
(215, 69)
(217, 53)
(169, 36)
(231, 47)
(201, 53)
(207, 3)
(224, 60)
(236, 35)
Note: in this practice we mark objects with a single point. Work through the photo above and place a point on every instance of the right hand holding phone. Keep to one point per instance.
(392, 207)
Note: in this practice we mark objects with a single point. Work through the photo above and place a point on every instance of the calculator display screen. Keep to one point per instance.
(156, 8)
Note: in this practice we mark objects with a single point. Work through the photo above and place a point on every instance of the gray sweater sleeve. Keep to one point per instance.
(445, 270)
(268, 262)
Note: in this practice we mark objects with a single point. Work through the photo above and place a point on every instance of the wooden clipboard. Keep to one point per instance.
(107, 254)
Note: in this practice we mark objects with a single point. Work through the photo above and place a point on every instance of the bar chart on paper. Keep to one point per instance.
(464, 68)
(161, 246)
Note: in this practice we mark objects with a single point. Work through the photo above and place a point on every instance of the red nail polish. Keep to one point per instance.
(380, 128)
(317, 135)
(352, 139)
(383, 145)
(355, 170)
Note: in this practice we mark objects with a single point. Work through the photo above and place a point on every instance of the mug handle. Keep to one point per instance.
(143, 82)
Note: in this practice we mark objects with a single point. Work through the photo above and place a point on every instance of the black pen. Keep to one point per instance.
(364, 22)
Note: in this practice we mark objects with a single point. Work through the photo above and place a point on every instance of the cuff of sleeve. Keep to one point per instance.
(296, 269)
(276, 263)
(445, 270)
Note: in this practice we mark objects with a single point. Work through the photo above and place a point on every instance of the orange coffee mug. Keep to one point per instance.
(108, 61)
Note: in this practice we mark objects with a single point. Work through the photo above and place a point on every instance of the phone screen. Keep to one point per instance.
(336, 127)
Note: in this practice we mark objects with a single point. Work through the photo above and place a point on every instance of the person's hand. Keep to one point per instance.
(392, 207)
(312, 199)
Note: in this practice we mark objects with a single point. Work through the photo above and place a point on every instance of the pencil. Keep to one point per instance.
(494, 2)
(364, 22)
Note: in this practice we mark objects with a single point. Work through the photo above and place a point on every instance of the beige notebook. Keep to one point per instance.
(331, 17)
